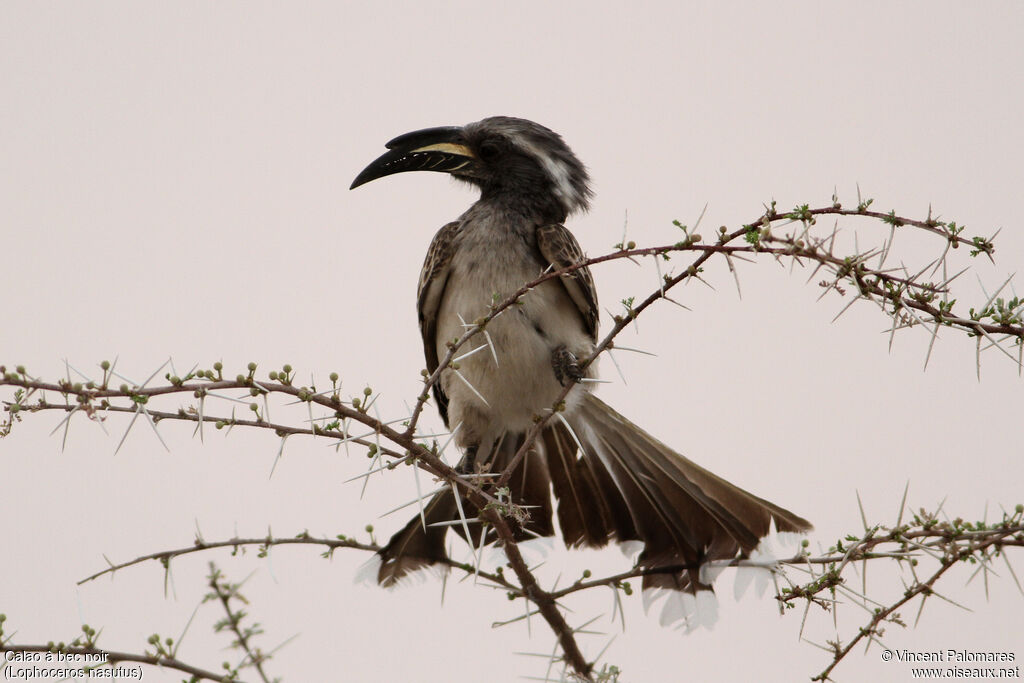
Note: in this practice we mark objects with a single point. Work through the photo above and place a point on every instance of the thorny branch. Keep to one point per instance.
(908, 298)
(925, 538)
(227, 594)
(84, 654)
(946, 543)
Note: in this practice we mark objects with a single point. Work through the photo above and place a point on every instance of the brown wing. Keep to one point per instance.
(558, 246)
(433, 280)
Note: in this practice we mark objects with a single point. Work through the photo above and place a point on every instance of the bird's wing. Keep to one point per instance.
(433, 280)
(559, 248)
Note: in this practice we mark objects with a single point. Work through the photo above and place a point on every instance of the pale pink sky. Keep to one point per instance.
(174, 183)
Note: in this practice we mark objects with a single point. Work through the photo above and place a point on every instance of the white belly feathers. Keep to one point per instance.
(513, 380)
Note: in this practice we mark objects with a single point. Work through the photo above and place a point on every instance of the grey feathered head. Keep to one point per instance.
(509, 158)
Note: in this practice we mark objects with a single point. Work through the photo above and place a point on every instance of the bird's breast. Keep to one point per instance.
(505, 374)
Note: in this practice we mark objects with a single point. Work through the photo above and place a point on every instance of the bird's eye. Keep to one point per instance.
(488, 150)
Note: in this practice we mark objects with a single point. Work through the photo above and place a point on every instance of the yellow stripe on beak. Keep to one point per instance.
(447, 148)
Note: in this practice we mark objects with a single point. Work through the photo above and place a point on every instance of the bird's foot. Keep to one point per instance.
(467, 464)
(567, 368)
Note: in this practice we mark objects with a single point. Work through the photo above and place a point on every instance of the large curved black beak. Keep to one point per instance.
(431, 149)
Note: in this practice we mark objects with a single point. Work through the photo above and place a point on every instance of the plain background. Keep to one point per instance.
(173, 183)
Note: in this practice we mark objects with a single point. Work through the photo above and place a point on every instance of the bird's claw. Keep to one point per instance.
(567, 368)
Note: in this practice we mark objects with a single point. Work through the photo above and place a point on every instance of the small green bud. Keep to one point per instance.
(367, 391)
(20, 369)
(334, 377)
(253, 407)
(273, 375)
(76, 387)
(369, 528)
(253, 391)
(240, 378)
(251, 366)
(631, 245)
(586, 573)
(218, 366)
(1019, 508)
(355, 403)
(287, 368)
(105, 365)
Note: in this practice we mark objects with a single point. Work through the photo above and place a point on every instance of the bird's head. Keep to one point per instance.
(511, 160)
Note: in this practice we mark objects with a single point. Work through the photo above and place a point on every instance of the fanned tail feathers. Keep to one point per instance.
(624, 486)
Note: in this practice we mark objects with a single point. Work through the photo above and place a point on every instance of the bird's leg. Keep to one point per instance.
(567, 368)
(468, 462)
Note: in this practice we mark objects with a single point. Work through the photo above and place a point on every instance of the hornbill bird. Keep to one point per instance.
(611, 480)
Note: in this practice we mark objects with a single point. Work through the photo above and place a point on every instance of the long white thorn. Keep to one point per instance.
(617, 368)
(471, 387)
(482, 347)
(735, 275)
(490, 344)
(152, 423)
(351, 438)
(457, 522)
(892, 332)
(135, 416)
(227, 398)
(413, 502)
(155, 372)
(66, 418)
(83, 375)
(465, 528)
(199, 424)
(661, 278)
(280, 452)
(846, 307)
(451, 437)
(571, 431)
(619, 347)
(389, 466)
(419, 494)
(700, 217)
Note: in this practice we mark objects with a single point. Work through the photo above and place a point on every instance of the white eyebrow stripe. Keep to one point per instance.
(559, 174)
